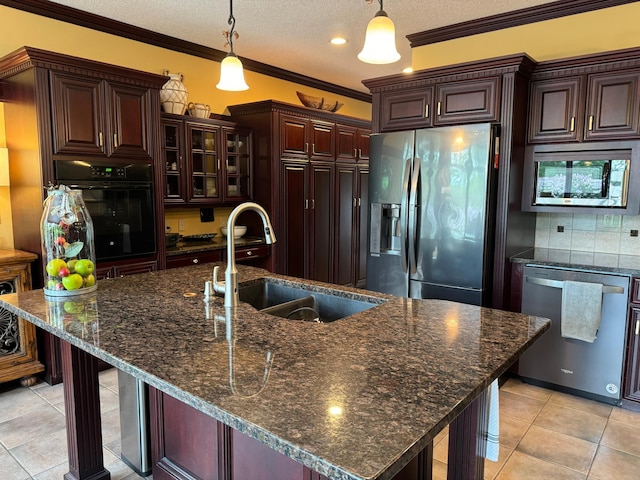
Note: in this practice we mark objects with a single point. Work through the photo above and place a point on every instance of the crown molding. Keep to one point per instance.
(515, 18)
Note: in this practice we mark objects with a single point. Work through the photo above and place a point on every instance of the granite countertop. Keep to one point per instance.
(397, 373)
(589, 261)
(186, 247)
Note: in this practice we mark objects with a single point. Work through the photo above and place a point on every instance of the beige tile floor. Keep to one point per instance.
(544, 435)
(548, 435)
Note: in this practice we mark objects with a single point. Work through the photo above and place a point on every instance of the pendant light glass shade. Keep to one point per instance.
(232, 75)
(380, 41)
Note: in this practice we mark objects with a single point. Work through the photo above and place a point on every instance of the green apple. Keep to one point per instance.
(72, 282)
(84, 267)
(89, 281)
(71, 265)
(54, 266)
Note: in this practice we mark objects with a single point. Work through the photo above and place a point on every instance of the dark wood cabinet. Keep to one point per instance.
(205, 161)
(296, 149)
(406, 110)
(91, 116)
(188, 259)
(631, 392)
(305, 138)
(123, 269)
(352, 206)
(467, 102)
(603, 105)
(452, 103)
(18, 349)
(352, 144)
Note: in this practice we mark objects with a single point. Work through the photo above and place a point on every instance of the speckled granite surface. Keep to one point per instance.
(183, 247)
(621, 264)
(353, 399)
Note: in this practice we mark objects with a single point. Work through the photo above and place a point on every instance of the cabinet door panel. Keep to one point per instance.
(475, 101)
(363, 144)
(346, 143)
(292, 235)
(321, 229)
(401, 111)
(345, 224)
(322, 141)
(632, 370)
(555, 113)
(77, 110)
(612, 106)
(130, 120)
(294, 137)
(363, 227)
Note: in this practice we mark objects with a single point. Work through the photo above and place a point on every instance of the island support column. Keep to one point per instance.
(468, 441)
(82, 408)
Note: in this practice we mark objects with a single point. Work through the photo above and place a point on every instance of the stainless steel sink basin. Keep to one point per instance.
(297, 303)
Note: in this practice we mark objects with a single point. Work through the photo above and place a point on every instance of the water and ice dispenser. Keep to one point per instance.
(385, 229)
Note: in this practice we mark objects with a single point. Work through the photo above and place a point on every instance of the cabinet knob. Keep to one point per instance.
(195, 260)
(249, 253)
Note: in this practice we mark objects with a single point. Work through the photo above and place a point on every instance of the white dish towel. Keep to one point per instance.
(493, 428)
(581, 310)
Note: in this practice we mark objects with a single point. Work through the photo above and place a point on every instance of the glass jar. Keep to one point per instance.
(68, 255)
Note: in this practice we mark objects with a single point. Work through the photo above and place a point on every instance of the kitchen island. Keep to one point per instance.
(358, 398)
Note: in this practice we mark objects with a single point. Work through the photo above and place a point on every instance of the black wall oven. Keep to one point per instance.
(119, 197)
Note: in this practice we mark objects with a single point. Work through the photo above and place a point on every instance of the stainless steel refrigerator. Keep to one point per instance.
(432, 202)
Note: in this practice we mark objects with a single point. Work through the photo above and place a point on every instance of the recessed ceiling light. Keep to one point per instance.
(338, 41)
(407, 70)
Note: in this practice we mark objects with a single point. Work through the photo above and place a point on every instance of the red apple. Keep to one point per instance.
(64, 272)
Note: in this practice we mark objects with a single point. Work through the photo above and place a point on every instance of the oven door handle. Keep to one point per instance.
(546, 282)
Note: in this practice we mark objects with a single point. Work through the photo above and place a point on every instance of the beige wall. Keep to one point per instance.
(598, 31)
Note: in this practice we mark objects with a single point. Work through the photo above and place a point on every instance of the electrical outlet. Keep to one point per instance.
(181, 226)
(611, 221)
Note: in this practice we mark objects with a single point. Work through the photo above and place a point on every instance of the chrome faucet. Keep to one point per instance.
(230, 285)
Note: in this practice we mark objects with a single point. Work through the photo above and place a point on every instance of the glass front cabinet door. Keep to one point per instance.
(237, 165)
(204, 164)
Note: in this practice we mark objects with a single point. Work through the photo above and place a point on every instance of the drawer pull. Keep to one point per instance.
(249, 253)
(195, 260)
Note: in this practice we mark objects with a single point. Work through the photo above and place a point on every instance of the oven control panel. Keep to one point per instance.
(101, 171)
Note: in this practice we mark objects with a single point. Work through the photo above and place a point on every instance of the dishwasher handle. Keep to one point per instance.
(546, 282)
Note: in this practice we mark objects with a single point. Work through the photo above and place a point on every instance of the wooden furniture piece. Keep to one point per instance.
(18, 349)
(493, 90)
(593, 97)
(205, 161)
(312, 168)
(631, 388)
(68, 108)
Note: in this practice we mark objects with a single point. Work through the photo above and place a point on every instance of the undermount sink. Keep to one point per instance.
(297, 303)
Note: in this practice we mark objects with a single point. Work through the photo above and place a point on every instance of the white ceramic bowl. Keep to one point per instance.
(238, 231)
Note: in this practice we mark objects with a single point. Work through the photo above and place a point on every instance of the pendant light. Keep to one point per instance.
(380, 40)
(231, 73)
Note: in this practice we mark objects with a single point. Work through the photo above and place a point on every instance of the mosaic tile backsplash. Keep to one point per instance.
(612, 240)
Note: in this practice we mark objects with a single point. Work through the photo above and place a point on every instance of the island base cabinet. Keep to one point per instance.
(187, 444)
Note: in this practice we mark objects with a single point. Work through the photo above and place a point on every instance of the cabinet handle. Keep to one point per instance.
(218, 165)
(100, 142)
(439, 106)
(115, 140)
(359, 199)
(313, 203)
(306, 148)
(359, 153)
(590, 122)
(572, 128)
(355, 202)
(195, 260)
(306, 204)
(637, 327)
(426, 111)
(355, 152)
(313, 149)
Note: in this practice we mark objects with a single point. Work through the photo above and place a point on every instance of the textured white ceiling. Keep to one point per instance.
(294, 34)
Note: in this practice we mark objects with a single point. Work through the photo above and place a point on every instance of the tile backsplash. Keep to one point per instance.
(610, 240)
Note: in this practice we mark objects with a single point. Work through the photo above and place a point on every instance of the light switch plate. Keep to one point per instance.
(181, 226)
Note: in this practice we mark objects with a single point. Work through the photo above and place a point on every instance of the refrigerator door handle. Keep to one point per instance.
(413, 214)
(404, 214)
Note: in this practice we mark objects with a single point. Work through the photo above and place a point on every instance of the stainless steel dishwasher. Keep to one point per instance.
(592, 370)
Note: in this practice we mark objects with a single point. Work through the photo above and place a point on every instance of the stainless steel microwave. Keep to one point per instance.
(583, 178)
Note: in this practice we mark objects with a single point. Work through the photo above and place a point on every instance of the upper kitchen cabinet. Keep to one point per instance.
(586, 98)
(92, 116)
(306, 138)
(206, 161)
(298, 185)
(454, 102)
(352, 143)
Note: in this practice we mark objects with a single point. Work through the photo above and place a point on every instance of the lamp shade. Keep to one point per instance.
(232, 75)
(380, 41)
